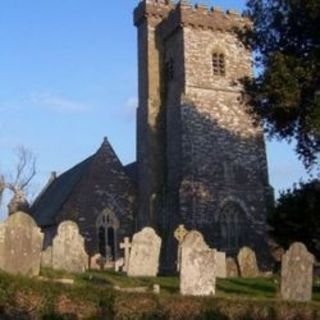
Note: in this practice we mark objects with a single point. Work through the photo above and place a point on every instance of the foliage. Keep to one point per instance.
(286, 94)
(296, 217)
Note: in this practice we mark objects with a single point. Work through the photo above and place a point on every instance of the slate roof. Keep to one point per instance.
(131, 170)
(51, 200)
(56, 193)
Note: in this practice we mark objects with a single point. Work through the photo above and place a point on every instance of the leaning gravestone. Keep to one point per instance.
(198, 266)
(248, 263)
(297, 273)
(68, 251)
(145, 254)
(20, 245)
(221, 264)
(232, 268)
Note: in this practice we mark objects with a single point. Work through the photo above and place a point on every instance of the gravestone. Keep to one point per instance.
(232, 268)
(248, 263)
(119, 265)
(198, 266)
(221, 264)
(97, 262)
(145, 254)
(68, 251)
(126, 246)
(21, 242)
(297, 273)
(179, 235)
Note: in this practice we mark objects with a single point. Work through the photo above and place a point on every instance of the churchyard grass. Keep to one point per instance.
(256, 288)
(92, 297)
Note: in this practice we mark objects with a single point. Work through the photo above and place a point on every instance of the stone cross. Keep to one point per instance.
(179, 235)
(126, 246)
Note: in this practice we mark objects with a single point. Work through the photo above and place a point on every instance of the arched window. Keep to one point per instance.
(107, 225)
(102, 241)
(232, 227)
(218, 64)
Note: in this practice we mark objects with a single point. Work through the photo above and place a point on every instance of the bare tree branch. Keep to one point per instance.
(19, 180)
(25, 170)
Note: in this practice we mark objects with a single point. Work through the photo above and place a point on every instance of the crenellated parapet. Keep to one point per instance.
(203, 17)
(157, 9)
(184, 14)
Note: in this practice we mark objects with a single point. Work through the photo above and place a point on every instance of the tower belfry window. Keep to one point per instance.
(218, 64)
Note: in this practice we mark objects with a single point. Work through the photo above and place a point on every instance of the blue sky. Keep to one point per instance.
(69, 77)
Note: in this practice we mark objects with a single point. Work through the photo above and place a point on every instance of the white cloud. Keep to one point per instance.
(57, 103)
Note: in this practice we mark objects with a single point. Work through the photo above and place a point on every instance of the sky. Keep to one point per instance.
(69, 78)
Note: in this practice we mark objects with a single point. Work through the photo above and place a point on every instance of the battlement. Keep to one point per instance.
(185, 14)
(203, 17)
(158, 9)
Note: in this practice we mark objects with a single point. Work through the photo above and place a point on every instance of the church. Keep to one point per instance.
(201, 157)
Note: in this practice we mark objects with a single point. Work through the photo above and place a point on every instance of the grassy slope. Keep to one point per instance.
(264, 288)
(92, 297)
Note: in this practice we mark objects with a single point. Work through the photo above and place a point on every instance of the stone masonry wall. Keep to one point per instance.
(221, 158)
(214, 153)
(104, 188)
(150, 118)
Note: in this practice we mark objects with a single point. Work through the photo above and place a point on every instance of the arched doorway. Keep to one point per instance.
(232, 225)
(107, 226)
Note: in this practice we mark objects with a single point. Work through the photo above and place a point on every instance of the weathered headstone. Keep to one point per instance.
(179, 234)
(97, 262)
(68, 252)
(221, 264)
(248, 263)
(232, 268)
(126, 246)
(20, 245)
(198, 266)
(297, 273)
(145, 254)
(119, 265)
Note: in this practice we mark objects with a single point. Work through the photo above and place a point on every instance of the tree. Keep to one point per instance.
(286, 93)
(296, 217)
(19, 180)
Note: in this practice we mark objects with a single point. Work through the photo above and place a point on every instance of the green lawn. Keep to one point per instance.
(92, 297)
(264, 288)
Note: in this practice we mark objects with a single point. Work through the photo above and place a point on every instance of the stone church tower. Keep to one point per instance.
(201, 158)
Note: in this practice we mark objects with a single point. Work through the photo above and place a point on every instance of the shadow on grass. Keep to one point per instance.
(250, 287)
